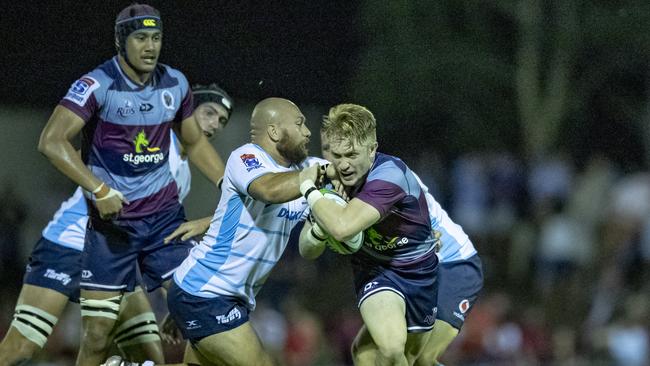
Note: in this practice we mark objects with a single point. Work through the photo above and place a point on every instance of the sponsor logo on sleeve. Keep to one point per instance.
(81, 90)
(250, 161)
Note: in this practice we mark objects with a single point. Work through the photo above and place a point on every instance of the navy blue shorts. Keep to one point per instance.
(416, 284)
(113, 249)
(199, 317)
(55, 267)
(459, 285)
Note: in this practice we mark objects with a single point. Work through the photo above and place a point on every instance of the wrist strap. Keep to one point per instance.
(99, 188)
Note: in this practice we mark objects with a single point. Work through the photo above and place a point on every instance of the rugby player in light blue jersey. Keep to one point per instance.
(214, 289)
(460, 279)
(125, 110)
(53, 273)
(395, 271)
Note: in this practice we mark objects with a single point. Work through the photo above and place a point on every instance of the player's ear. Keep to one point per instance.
(274, 132)
(373, 149)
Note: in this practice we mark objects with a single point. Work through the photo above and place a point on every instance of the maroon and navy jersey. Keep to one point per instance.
(403, 233)
(126, 139)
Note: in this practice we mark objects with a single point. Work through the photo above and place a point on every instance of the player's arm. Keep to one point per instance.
(200, 151)
(312, 241)
(342, 223)
(55, 144)
(281, 187)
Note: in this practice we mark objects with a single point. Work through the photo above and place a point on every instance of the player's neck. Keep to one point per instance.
(136, 77)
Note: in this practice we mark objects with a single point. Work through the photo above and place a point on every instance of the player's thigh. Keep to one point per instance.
(189, 356)
(441, 336)
(53, 302)
(236, 347)
(384, 314)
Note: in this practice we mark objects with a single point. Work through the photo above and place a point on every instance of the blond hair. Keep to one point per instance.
(352, 122)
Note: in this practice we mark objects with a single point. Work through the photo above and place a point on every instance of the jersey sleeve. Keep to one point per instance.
(383, 188)
(86, 95)
(187, 102)
(246, 164)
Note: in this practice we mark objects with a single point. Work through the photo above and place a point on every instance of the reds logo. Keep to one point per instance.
(250, 161)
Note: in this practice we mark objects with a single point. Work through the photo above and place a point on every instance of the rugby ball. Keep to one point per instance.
(350, 246)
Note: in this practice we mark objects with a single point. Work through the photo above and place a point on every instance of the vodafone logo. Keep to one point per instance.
(463, 306)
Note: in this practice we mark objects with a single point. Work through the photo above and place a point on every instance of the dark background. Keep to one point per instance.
(528, 119)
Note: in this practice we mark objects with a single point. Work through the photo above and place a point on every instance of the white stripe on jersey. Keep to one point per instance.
(68, 226)
(455, 243)
(246, 237)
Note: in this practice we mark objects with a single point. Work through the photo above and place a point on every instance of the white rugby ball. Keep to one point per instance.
(349, 246)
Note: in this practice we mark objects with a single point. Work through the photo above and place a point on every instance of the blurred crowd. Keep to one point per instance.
(566, 254)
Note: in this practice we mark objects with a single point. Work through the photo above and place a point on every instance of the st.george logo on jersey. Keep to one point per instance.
(250, 161)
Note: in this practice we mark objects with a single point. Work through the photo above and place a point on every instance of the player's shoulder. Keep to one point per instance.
(387, 167)
(167, 73)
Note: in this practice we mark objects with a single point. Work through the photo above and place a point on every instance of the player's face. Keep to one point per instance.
(352, 161)
(143, 48)
(325, 147)
(295, 137)
(212, 118)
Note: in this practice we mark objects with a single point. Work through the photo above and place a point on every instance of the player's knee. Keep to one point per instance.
(99, 317)
(393, 350)
(34, 324)
(137, 330)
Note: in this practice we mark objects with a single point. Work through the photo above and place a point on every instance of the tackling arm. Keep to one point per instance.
(281, 187)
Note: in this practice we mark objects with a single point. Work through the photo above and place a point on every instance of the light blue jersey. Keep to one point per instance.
(68, 226)
(246, 237)
(454, 243)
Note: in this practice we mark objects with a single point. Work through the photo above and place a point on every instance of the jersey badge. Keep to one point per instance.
(250, 161)
(81, 90)
(167, 99)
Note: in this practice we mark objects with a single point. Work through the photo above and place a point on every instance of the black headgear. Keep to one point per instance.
(212, 93)
(132, 18)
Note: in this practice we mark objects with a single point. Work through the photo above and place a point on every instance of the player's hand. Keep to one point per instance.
(190, 229)
(109, 203)
(340, 189)
(169, 331)
(309, 173)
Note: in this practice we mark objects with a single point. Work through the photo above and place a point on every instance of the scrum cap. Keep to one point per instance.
(133, 18)
(212, 93)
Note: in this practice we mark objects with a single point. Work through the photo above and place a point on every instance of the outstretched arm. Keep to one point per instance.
(281, 187)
